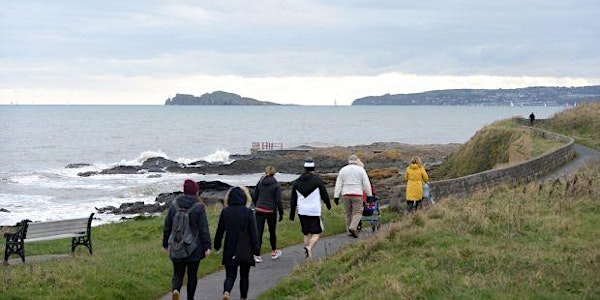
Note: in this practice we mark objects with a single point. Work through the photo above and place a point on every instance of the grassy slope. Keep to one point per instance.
(537, 241)
(581, 122)
(128, 261)
(490, 147)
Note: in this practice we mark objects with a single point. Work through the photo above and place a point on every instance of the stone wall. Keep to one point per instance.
(523, 172)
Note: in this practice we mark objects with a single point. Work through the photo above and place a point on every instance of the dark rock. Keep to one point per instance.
(77, 165)
(213, 185)
(4, 210)
(87, 174)
(121, 170)
(158, 163)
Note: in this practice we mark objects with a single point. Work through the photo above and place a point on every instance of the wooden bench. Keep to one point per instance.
(79, 230)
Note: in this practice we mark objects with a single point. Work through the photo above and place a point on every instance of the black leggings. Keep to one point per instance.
(413, 205)
(230, 276)
(260, 227)
(179, 272)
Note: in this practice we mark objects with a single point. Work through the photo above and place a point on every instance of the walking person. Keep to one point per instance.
(308, 191)
(237, 225)
(531, 119)
(190, 205)
(352, 181)
(267, 202)
(415, 177)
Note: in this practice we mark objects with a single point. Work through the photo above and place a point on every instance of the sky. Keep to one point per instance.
(305, 52)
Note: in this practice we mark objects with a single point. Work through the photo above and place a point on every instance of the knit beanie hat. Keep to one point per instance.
(190, 187)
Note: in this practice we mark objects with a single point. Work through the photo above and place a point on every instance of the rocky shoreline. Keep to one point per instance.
(383, 161)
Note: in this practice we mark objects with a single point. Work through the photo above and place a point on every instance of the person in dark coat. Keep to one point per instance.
(308, 191)
(199, 226)
(267, 202)
(531, 119)
(237, 219)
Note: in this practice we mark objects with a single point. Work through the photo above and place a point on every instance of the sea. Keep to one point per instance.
(37, 142)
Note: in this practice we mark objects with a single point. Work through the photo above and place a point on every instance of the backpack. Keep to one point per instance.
(182, 241)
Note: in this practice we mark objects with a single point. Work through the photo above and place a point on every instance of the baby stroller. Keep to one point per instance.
(371, 213)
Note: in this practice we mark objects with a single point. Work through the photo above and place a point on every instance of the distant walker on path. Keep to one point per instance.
(531, 119)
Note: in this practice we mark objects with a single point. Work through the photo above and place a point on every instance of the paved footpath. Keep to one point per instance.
(268, 273)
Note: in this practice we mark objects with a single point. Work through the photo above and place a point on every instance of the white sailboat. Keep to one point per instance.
(511, 104)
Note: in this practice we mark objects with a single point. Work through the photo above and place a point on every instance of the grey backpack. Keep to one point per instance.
(182, 241)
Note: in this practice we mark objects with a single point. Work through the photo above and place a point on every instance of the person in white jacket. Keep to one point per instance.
(351, 182)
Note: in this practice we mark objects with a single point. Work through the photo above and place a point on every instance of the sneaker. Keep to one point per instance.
(175, 295)
(306, 251)
(257, 259)
(226, 296)
(353, 233)
(276, 254)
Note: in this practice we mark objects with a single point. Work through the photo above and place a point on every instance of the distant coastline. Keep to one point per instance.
(530, 96)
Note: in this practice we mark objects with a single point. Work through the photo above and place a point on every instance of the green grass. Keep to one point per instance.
(539, 241)
(128, 261)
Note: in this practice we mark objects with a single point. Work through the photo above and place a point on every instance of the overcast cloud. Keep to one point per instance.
(304, 52)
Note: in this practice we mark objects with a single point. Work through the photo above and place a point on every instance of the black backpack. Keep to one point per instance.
(182, 241)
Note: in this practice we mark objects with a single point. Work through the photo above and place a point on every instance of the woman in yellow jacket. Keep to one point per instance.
(415, 177)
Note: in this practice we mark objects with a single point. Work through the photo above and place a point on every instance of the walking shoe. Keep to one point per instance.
(226, 296)
(257, 259)
(276, 254)
(309, 252)
(306, 252)
(353, 233)
(175, 295)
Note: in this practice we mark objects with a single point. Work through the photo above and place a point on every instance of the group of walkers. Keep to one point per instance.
(242, 228)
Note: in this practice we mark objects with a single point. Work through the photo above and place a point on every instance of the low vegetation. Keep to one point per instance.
(535, 241)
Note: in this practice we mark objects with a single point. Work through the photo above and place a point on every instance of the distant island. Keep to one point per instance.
(215, 98)
(530, 96)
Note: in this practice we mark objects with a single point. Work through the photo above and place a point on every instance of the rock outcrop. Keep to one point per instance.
(215, 98)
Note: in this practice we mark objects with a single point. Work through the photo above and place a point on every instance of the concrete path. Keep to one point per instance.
(268, 273)
(584, 156)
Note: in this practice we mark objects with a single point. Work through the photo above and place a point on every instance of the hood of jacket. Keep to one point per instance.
(414, 166)
(237, 196)
(186, 201)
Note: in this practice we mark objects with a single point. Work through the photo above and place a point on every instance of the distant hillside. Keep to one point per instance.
(215, 98)
(536, 96)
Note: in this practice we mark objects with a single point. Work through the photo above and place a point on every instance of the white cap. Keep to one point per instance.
(309, 164)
